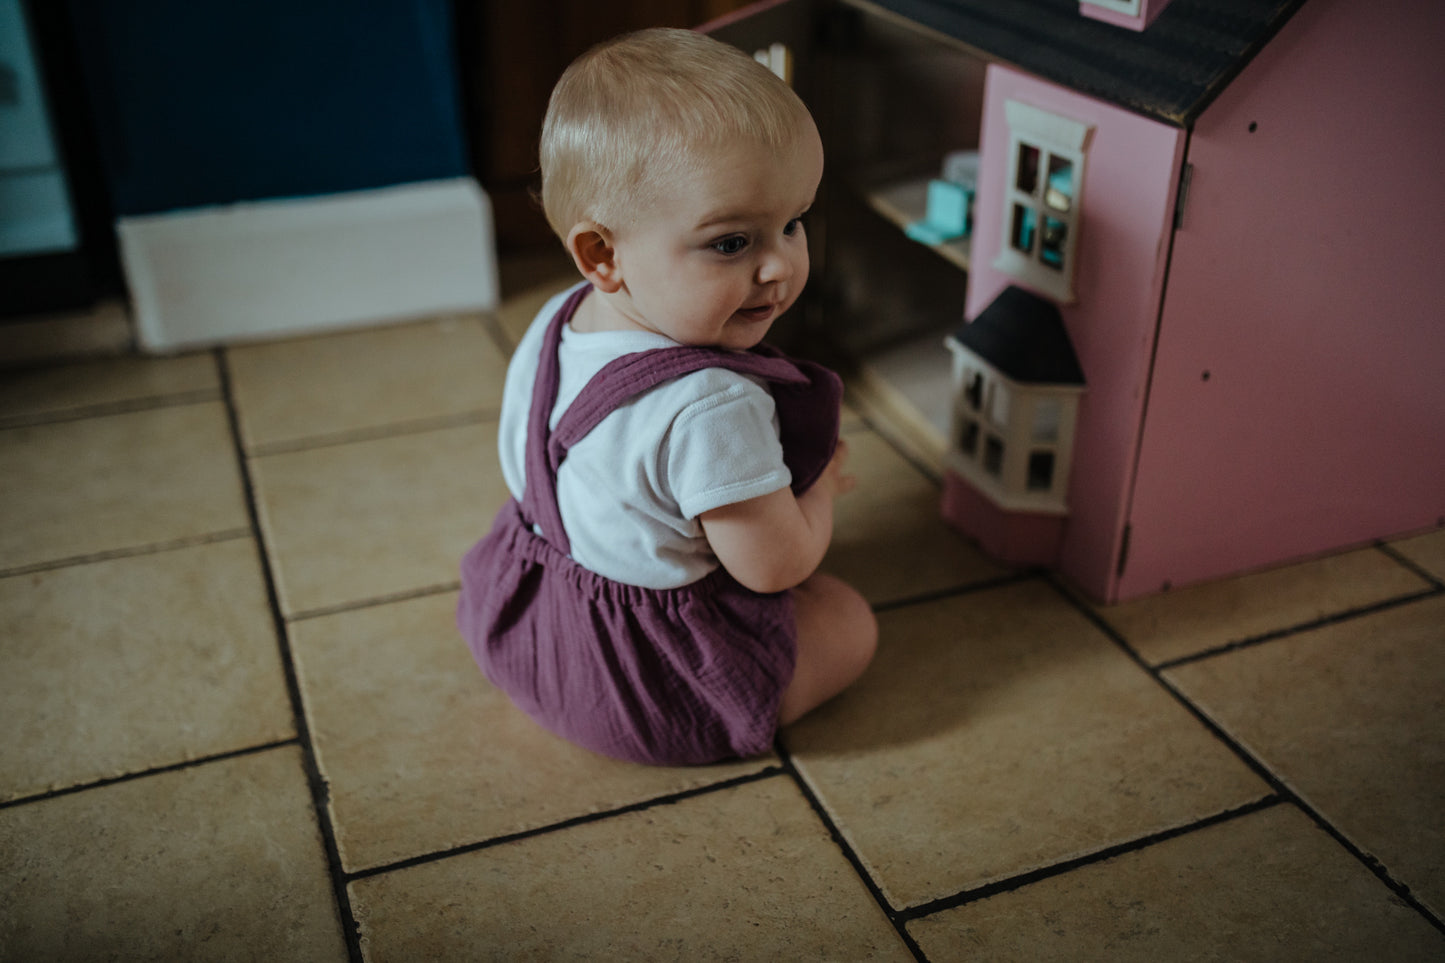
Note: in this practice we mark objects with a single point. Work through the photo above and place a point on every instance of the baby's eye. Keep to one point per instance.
(792, 226)
(733, 244)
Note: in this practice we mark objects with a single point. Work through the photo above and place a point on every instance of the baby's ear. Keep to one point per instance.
(591, 247)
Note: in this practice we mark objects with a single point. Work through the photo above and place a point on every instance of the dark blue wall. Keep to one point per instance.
(199, 103)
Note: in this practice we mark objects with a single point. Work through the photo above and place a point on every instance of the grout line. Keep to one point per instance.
(154, 548)
(320, 793)
(1404, 560)
(108, 408)
(1319, 623)
(402, 596)
(414, 426)
(1089, 859)
(938, 595)
(896, 918)
(767, 772)
(143, 773)
(1255, 764)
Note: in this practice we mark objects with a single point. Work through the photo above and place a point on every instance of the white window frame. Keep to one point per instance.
(1052, 136)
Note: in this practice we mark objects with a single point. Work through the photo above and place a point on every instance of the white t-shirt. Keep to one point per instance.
(631, 491)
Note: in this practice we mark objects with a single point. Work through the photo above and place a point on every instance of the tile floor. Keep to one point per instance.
(239, 723)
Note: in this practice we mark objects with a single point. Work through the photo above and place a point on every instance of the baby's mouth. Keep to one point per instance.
(760, 313)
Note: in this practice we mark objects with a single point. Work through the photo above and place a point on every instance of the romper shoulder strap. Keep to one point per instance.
(539, 496)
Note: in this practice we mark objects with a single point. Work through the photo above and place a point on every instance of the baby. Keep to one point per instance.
(650, 591)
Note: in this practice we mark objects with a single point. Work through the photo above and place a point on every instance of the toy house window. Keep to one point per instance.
(993, 455)
(1048, 414)
(1041, 430)
(973, 390)
(1041, 471)
(998, 404)
(974, 387)
(968, 437)
(1041, 211)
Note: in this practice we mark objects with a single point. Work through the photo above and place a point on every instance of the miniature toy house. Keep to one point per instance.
(1017, 384)
(1216, 197)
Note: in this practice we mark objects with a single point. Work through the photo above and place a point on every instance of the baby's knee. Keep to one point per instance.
(865, 636)
(851, 624)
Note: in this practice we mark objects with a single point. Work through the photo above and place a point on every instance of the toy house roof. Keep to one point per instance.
(1023, 336)
(1170, 72)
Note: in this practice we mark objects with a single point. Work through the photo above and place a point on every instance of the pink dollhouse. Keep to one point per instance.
(1218, 210)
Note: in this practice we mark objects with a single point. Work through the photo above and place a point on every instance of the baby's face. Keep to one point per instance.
(722, 252)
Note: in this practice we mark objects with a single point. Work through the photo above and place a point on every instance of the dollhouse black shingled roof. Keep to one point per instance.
(1023, 336)
(1170, 72)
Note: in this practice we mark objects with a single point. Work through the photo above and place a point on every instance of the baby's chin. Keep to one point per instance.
(743, 337)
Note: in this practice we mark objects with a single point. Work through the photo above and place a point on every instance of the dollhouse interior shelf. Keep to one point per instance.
(906, 384)
(907, 387)
(904, 202)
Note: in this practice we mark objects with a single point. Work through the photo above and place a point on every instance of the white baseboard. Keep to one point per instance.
(273, 268)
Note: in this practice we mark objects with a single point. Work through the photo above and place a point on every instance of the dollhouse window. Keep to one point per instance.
(968, 437)
(993, 455)
(1046, 156)
(973, 391)
(1048, 413)
(998, 404)
(1041, 471)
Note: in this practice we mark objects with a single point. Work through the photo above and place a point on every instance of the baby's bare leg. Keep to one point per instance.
(837, 635)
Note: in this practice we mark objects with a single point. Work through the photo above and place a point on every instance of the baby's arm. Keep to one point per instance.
(775, 541)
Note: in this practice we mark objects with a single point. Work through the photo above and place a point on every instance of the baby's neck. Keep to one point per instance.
(598, 312)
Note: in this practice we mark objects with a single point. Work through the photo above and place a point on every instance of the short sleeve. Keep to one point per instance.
(725, 448)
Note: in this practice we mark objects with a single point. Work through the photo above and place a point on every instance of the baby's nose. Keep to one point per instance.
(774, 267)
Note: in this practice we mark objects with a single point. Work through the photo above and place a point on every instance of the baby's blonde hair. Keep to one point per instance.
(636, 110)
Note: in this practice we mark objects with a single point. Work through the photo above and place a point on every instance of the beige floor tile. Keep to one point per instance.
(1426, 551)
(374, 519)
(216, 862)
(889, 540)
(1000, 732)
(745, 873)
(103, 328)
(1352, 717)
(287, 391)
(1269, 886)
(117, 482)
(1202, 617)
(135, 663)
(423, 754)
(62, 389)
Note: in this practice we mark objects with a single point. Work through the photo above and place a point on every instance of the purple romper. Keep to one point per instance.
(679, 676)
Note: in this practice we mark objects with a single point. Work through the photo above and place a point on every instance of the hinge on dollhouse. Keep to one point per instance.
(1181, 200)
(1123, 551)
